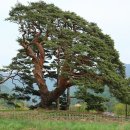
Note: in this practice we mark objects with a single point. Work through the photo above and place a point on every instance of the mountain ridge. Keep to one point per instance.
(127, 70)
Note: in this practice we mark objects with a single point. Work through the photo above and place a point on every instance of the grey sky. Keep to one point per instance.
(112, 16)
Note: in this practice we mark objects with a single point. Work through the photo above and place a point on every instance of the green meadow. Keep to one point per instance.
(21, 124)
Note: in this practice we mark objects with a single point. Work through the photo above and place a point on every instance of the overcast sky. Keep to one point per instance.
(112, 16)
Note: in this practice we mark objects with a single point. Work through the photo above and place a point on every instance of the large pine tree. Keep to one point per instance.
(61, 45)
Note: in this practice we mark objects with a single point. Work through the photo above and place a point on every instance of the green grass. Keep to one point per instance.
(13, 124)
(42, 120)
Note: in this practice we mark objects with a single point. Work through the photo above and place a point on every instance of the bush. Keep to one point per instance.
(119, 109)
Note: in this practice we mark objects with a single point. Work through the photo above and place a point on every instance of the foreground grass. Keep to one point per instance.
(13, 124)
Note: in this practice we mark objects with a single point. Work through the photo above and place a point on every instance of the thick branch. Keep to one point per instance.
(29, 51)
(64, 83)
(37, 60)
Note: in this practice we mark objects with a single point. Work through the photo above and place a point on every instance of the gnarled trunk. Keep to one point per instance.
(51, 96)
(47, 97)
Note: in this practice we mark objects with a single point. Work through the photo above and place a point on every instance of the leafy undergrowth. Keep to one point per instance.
(13, 124)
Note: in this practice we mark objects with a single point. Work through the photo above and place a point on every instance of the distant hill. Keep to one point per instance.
(4, 89)
(127, 70)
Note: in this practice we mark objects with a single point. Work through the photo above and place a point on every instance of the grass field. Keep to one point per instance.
(59, 120)
(20, 124)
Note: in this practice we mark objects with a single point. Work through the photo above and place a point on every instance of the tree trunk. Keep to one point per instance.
(47, 97)
(68, 98)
